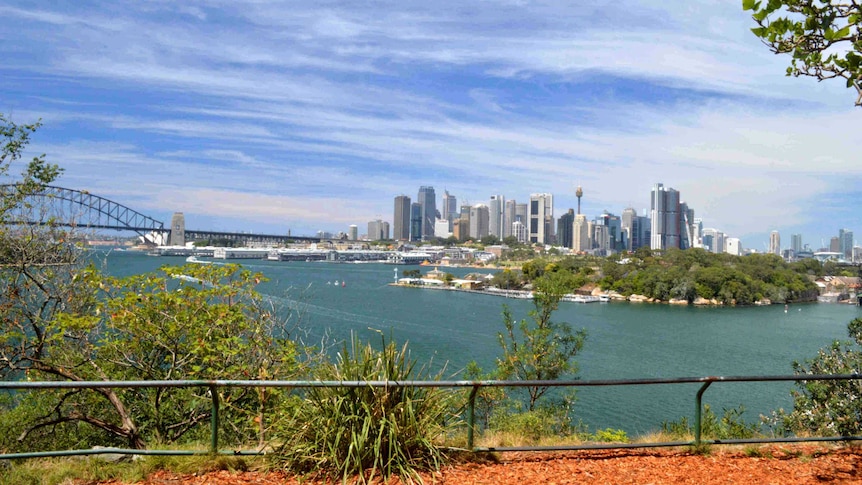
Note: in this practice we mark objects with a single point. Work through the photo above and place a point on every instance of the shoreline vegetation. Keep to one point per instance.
(675, 277)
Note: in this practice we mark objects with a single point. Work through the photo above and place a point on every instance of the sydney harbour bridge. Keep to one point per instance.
(82, 210)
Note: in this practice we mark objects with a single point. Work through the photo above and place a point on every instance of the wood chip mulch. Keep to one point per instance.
(780, 465)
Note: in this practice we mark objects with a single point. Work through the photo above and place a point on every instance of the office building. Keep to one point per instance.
(496, 216)
(441, 228)
(378, 230)
(519, 232)
(428, 201)
(479, 221)
(664, 218)
(401, 220)
(415, 222)
(733, 246)
(353, 232)
(796, 243)
(845, 243)
(581, 240)
(508, 217)
(565, 228)
(615, 238)
(450, 207)
(541, 218)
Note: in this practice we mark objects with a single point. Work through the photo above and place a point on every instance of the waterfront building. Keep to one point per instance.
(428, 200)
(775, 243)
(508, 217)
(415, 222)
(581, 234)
(496, 216)
(178, 230)
(541, 218)
(565, 228)
(664, 217)
(845, 243)
(401, 221)
(796, 243)
(353, 232)
(479, 221)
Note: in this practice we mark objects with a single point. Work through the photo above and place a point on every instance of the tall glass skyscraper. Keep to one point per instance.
(428, 201)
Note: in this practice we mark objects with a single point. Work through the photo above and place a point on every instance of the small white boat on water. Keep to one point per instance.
(194, 259)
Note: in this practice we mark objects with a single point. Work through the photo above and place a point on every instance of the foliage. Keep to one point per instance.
(194, 322)
(610, 435)
(507, 280)
(539, 348)
(535, 424)
(833, 407)
(692, 273)
(411, 273)
(823, 38)
(729, 426)
(14, 140)
(362, 431)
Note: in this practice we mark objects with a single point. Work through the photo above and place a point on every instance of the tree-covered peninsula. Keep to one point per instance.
(680, 276)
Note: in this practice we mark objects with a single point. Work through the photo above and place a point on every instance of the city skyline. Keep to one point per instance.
(278, 117)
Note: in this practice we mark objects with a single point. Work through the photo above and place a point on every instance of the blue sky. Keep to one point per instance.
(306, 116)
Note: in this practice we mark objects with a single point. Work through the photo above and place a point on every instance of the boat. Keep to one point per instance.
(343, 284)
(604, 298)
(195, 260)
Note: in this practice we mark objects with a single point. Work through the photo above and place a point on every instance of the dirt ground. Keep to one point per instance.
(777, 464)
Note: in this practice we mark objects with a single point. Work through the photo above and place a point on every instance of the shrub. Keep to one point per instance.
(827, 408)
(729, 426)
(362, 431)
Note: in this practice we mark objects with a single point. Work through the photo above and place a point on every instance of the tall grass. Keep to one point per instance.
(366, 432)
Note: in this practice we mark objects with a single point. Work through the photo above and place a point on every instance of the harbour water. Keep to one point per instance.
(624, 340)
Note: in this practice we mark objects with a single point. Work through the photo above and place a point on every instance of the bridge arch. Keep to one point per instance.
(81, 209)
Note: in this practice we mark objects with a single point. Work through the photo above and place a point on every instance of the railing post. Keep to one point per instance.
(214, 420)
(697, 412)
(471, 416)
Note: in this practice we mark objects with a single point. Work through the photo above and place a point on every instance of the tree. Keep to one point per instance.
(539, 348)
(823, 37)
(193, 322)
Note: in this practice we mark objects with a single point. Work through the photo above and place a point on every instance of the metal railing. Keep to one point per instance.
(474, 386)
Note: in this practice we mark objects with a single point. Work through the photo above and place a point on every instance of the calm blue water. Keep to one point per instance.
(623, 340)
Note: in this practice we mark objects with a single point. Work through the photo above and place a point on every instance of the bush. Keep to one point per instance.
(362, 431)
(827, 408)
(729, 426)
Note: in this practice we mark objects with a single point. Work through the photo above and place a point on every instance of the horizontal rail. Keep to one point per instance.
(213, 385)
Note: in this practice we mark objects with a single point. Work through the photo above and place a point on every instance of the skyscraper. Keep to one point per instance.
(378, 230)
(509, 217)
(496, 215)
(565, 228)
(541, 218)
(428, 200)
(401, 221)
(479, 221)
(796, 243)
(616, 241)
(415, 221)
(665, 218)
(581, 238)
(450, 208)
(775, 243)
(845, 243)
(353, 232)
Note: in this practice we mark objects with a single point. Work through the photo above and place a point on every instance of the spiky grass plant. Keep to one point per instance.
(365, 432)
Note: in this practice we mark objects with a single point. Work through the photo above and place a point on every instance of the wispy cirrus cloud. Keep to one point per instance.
(339, 107)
